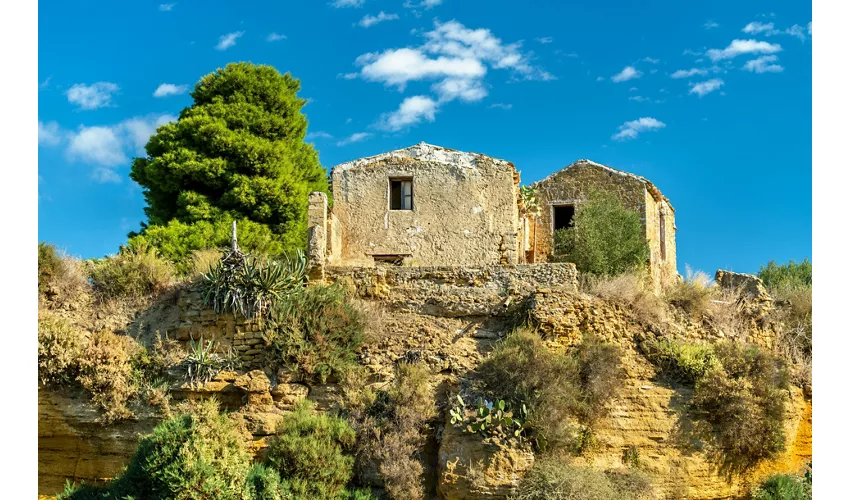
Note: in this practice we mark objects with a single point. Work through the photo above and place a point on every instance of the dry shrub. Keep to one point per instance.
(60, 347)
(632, 290)
(693, 294)
(726, 313)
(134, 273)
(555, 387)
(554, 478)
(743, 404)
(794, 341)
(204, 260)
(392, 427)
(60, 277)
(106, 371)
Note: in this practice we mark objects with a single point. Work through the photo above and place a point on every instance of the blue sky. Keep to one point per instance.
(711, 102)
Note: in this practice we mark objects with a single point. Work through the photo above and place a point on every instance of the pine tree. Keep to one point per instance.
(238, 153)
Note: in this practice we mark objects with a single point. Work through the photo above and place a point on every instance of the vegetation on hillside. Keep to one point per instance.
(556, 388)
(605, 238)
(201, 454)
(237, 153)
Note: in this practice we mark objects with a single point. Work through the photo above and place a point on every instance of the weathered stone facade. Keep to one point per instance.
(463, 210)
(570, 186)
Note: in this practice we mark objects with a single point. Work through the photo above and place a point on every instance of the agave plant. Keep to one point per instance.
(250, 286)
(202, 362)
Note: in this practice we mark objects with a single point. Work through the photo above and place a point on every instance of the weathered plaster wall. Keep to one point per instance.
(454, 291)
(571, 185)
(464, 208)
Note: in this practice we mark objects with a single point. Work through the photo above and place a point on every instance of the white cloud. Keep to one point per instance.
(628, 73)
(423, 4)
(501, 105)
(768, 29)
(167, 89)
(738, 47)
(49, 133)
(228, 40)
(684, 73)
(689, 52)
(453, 39)
(399, 66)
(107, 147)
(799, 31)
(411, 111)
(545, 39)
(759, 27)
(45, 83)
(318, 135)
(455, 58)
(600, 78)
(340, 4)
(166, 7)
(348, 76)
(274, 37)
(650, 60)
(373, 20)
(97, 145)
(710, 24)
(96, 95)
(764, 64)
(706, 87)
(630, 130)
(359, 136)
(469, 90)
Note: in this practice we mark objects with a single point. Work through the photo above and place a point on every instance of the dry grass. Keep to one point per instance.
(61, 278)
(693, 294)
(204, 260)
(135, 273)
(632, 290)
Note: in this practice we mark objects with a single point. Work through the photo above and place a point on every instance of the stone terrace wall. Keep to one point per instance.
(198, 321)
(454, 291)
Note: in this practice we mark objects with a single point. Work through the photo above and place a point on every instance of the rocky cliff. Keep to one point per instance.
(450, 319)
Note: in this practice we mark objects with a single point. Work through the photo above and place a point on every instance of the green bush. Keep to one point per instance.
(263, 483)
(313, 453)
(136, 272)
(786, 276)
(784, 487)
(682, 361)
(552, 478)
(192, 456)
(179, 242)
(605, 237)
(317, 331)
(556, 387)
(743, 404)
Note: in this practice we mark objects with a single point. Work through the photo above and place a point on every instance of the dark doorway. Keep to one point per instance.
(563, 216)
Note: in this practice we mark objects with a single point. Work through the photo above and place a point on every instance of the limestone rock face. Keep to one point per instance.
(470, 468)
(74, 445)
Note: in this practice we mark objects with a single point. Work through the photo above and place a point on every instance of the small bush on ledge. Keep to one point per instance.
(317, 331)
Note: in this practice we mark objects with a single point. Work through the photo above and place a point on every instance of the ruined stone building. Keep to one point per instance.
(560, 193)
(430, 206)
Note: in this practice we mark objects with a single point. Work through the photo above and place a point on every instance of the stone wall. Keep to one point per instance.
(465, 209)
(201, 322)
(454, 291)
(571, 186)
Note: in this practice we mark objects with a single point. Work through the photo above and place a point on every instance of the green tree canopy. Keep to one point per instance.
(605, 237)
(238, 153)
